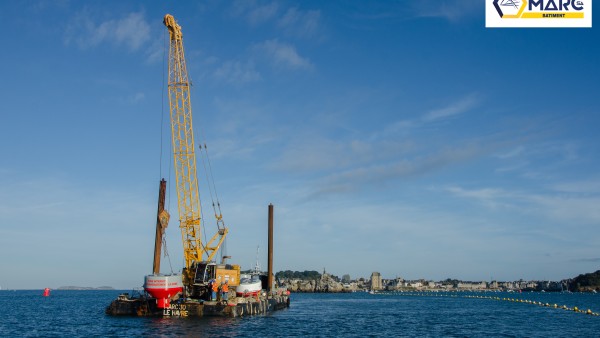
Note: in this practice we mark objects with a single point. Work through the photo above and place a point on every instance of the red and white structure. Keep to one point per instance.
(164, 288)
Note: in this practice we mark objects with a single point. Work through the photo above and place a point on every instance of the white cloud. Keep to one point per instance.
(137, 97)
(262, 13)
(132, 31)
(590, 186)
(284, 54)
(253, 12)
(512, 153)
(461, 106)
(490, 197)
(479, 194)
(572, 203)
(455, 108)
(293, 21)
(451, 10)
(578, 210)
(310, 153)
(398, 126)
(358, 177)
(518, 166)
(156, 52)
(301, 23)
(236, 72)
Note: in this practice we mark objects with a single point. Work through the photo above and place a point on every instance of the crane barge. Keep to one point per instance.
(200, 267)
(189, 293)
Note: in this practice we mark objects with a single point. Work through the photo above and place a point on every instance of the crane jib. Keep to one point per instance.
(188, 199)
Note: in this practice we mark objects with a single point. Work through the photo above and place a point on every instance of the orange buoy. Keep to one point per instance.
(46, 292)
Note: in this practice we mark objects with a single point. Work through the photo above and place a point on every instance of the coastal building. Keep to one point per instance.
(532, 285)
(394, 284)
(376, 281)
(472, 286)
(350, 287)
(417, 284)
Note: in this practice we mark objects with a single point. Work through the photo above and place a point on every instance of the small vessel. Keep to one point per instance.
(250, 284)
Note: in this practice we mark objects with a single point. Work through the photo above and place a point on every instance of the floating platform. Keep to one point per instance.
(144, 306)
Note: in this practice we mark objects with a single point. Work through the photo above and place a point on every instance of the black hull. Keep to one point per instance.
(146, 307)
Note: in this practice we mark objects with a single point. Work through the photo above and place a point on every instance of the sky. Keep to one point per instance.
(401, 137)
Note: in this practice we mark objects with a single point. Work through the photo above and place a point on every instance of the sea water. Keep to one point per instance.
(26, 313)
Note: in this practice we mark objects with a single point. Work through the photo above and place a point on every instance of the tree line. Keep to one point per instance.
(586, 281)
(304, 275)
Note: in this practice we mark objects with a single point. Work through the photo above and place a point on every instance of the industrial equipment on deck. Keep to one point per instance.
(188, 294)
(200, 266)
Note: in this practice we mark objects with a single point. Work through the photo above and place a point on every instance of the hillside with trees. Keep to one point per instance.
(303, 275)
(586, 282)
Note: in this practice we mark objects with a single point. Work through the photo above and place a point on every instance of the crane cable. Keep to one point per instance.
(162, 120)
(162, 125)
(209, 186)
(166, 254)
(220, 222)
(210, 180)
(211, 183)
(204, 249)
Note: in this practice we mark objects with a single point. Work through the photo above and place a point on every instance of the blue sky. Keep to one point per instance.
(401, 137)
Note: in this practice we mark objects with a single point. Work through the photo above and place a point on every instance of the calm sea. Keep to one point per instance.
(81, 314)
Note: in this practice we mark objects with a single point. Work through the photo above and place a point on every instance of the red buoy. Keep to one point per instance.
(163, 288)
(46, 292)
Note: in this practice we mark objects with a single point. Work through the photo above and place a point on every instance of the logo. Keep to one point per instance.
(538, 13)
(509, 8)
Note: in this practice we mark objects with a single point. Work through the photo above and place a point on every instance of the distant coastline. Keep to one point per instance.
(79, 288)
(314, 282)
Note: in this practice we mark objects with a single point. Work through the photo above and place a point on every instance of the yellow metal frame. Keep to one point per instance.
(188, 200)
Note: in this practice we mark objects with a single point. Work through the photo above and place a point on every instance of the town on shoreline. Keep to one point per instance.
(312, 281)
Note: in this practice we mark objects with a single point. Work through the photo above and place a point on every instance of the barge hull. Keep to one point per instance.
(238, 307)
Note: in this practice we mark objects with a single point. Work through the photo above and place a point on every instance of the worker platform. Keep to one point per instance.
(144, 306)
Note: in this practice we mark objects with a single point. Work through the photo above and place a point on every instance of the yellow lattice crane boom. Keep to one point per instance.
(188, 199)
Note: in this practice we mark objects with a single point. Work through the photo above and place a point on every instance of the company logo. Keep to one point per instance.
(509, 8)
(538, 13)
